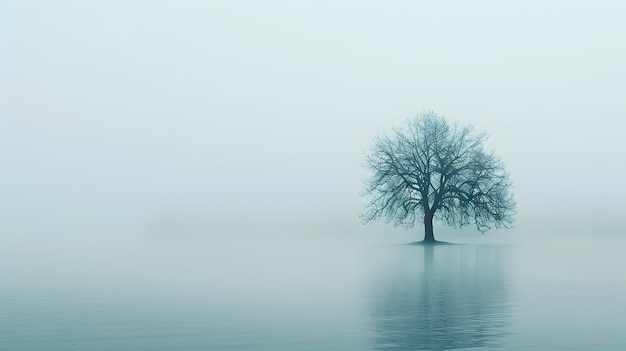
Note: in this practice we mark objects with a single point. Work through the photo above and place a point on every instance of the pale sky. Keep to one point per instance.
(263, 109)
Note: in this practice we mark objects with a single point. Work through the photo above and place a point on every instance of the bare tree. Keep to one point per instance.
(435, 167)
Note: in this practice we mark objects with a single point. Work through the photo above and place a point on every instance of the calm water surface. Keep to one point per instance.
(310, 294)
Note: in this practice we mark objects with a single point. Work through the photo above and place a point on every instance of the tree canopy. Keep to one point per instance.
(432, 166)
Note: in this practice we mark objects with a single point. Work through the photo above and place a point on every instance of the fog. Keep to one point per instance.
(260, 112)
(186, 174)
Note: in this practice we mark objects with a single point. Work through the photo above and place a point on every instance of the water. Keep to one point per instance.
(309, 293)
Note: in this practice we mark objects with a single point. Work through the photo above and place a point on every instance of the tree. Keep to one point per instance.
(435, 167)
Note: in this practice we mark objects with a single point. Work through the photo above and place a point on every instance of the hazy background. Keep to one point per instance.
(185, 175)
(149, 114)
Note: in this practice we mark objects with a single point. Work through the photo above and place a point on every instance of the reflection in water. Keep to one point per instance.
(439, 298)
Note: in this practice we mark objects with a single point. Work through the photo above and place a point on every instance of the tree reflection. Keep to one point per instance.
(439, 298)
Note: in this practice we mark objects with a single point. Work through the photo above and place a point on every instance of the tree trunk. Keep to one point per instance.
(428, 227)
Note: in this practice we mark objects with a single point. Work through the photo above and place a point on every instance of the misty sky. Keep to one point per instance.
(263, 109)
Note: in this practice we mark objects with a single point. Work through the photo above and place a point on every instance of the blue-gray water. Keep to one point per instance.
(295, 293)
